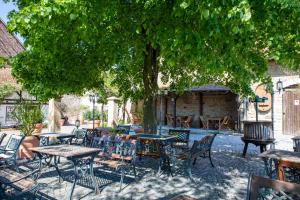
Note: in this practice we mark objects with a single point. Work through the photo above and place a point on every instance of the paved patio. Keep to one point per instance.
(228, 180)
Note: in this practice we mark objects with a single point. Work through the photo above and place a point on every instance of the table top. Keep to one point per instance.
(155, 137)
(57, 135)
(296, 138)
(282, 155)
(65, 150)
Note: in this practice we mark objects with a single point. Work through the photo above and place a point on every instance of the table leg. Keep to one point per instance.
(94, 179)
(56, 161)
(74, 184)
(81, 170)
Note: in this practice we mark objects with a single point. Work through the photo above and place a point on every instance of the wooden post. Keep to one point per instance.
(174, 109)
(200, 107)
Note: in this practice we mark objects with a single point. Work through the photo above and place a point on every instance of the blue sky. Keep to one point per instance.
(4, 10)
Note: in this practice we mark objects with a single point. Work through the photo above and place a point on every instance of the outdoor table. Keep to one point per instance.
(282, 159)
(44, 137)
(158, 143)
(81, 157)
(214, 119)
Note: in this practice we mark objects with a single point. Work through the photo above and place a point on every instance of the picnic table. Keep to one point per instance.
(282, 158)
(62, 137)
(156, 146)
(81, 157)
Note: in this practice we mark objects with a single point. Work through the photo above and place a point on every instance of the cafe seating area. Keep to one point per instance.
(118, 161)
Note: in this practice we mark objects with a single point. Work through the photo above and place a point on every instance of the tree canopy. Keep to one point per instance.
(71, 45)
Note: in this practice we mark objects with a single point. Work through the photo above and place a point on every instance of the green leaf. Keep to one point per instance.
(184, 5)
(205, 13)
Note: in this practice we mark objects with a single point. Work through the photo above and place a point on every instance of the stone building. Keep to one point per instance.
(10, 46)
(284, 103)
(282, 106)
(208, 101)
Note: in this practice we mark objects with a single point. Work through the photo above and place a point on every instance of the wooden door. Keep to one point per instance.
(291, 113)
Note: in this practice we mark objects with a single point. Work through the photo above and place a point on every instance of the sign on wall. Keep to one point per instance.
(262, 92)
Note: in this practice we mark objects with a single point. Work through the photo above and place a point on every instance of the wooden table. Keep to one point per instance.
(44, 137)
(214, 119)
(74, 154)
(282, 159)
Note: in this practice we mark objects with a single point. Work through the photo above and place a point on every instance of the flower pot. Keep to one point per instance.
(62, 122)
(27, 143)
(96, 124)
(81, 120)
(38, 129)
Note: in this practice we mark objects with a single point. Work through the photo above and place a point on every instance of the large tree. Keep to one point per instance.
(71, 44)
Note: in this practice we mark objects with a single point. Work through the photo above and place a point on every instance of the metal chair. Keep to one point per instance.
(116, 153)
(8, 154)
(19, 185)
(201, 148)
(124, 129)
(2, 136)
(263, 188)
(182, 140)
(80, 137)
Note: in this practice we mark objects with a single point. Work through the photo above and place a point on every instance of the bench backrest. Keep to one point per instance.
(182, 135)
(14, 143)
(203, 145)
(261, 188)
(2, 136)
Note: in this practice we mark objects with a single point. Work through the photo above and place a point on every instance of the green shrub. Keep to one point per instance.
(27, 115)
(89, 115)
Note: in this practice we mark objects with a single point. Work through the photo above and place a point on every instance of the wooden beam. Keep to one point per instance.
(200, 107)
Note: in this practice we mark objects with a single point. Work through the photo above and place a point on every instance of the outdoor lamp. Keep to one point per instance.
(279, 85)
(92, 99)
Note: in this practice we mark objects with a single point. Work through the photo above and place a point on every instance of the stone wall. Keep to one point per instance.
(214, 105)
(288, 79)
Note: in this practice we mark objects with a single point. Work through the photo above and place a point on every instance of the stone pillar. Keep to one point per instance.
(53, 116)
(112, 117)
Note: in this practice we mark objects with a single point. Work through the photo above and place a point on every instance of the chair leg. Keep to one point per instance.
(245, 149)
(122, 177)
(134, 171)
(195, 159)
(209, 155)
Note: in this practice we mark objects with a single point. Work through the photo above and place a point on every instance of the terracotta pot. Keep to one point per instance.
(27, 143)
(96, 123)
(62, 122)
(81, 120)
(38, 129)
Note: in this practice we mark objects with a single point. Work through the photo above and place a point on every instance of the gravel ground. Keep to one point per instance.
(227, 180)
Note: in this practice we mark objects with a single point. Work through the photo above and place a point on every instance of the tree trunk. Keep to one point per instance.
(150, 73)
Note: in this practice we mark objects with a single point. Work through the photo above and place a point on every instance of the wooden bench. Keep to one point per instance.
(16, 183)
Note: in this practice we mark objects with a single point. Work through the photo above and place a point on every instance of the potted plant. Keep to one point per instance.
(89, 116)
(27, 115)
